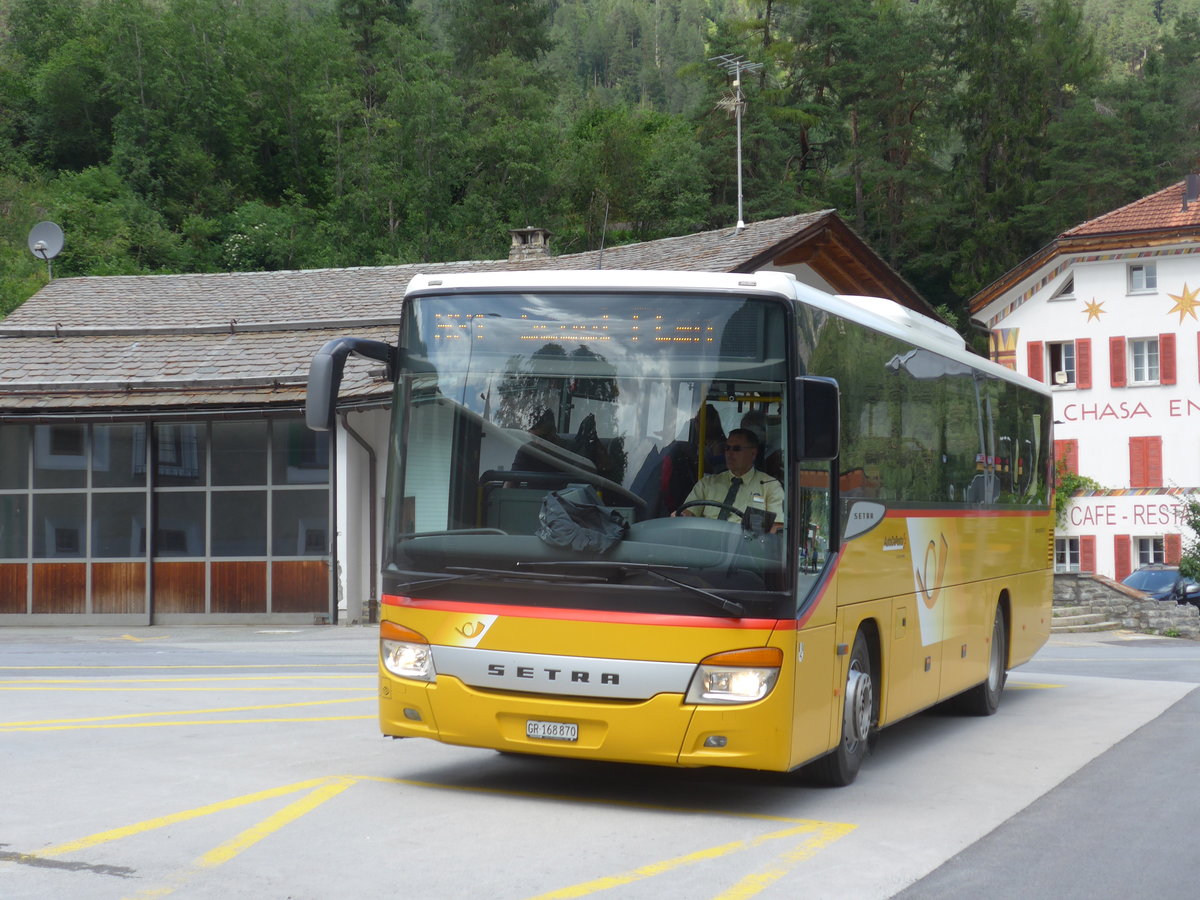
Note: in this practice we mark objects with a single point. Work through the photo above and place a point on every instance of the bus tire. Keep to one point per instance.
(984, 698)
(860, 713)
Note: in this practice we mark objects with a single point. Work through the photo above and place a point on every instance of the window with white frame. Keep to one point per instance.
(1143, 277)
(1062, 363)
(1066, 554)
(1143, 360)
(1150, 550)
(1066, 291)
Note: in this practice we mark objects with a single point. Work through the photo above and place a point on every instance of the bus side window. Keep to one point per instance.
(812, 523)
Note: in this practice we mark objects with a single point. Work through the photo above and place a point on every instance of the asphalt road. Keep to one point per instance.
(1119, 826)
(245, 762)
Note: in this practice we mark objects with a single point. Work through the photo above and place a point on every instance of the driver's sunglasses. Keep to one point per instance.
(736, 448)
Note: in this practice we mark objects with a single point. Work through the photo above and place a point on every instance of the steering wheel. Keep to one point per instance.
(724, 507)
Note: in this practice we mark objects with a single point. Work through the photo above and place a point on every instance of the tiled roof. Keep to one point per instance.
(1160, 218)
(167, 359)
(129, 344)
(237, 300)
(1163, 211)
(139, 371)
(53, 402)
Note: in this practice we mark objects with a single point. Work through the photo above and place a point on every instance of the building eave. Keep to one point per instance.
(835, 252)
(1079, 245)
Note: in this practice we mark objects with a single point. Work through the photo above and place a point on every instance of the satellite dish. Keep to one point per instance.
(45, 240)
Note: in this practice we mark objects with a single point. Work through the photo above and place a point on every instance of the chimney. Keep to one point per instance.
(528, 244)
(1191, 189)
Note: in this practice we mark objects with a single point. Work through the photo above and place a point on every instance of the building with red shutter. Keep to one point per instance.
(1107, 314)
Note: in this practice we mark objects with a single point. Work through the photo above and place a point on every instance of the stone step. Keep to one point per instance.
(1060, 612)
(1081, 629)
(1081, 618)
(1082, 622)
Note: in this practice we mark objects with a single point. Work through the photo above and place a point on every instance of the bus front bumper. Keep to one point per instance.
(660, 731)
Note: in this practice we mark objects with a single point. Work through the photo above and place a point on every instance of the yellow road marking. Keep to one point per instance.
(818, 835)
(268, 721)
(1029, 686)
(202, 679)
(362, 665)
(827, 832)
(116, 834)
(225, 689)
(273, 823)
(760, 881)
(185, 712)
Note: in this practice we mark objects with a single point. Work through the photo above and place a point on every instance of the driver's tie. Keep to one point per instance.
(730, 496)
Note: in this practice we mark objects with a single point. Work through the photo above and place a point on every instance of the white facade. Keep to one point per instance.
(1116, 335)
(358, 511)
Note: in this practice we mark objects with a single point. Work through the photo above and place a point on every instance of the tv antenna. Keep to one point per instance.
(45, 242)
(736, 102)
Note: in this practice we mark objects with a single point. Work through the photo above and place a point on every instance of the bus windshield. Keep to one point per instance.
(548, 446)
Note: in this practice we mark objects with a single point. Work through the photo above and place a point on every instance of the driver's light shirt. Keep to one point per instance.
(758, 491)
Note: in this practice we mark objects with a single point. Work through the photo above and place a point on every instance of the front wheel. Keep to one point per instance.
(984, 698)
(860, 712)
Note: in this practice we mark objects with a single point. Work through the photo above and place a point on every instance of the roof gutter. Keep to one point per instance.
(232, 327)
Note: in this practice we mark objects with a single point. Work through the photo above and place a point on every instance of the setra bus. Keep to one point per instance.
(553, 585)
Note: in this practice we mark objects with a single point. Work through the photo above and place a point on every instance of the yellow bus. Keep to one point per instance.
(569, 569)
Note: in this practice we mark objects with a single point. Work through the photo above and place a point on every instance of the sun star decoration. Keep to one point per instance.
(1094, 310)
(1185, 303)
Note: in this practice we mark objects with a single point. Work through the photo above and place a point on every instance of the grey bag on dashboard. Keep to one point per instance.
(576, 518)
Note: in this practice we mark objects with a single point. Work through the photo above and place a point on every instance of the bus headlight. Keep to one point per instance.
(738, 676)
(405, 653)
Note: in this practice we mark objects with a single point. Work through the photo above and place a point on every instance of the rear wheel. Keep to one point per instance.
(984, 698)
(860, 712)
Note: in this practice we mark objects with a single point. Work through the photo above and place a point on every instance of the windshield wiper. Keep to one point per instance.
(524, 576)
(468, 573)
(732, 607)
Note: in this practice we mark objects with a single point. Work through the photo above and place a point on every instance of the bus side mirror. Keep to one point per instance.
(818, 426)
(325, 376)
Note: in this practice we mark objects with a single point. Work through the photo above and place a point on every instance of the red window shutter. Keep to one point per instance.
(1034, 359)
(1083, 363)
(1174, 548)
(1137, 462)
(1145, 462)
(1087, 553)
(1154, 469)
(1067, 453)
(1166, 359)
(1121, 553)
(1116, 361)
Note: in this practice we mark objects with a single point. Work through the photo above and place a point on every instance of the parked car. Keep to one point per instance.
(1164, 583)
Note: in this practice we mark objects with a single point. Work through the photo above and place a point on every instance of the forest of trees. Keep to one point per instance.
(956, 136)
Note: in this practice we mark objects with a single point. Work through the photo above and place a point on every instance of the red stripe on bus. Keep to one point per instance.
(587, 615)
(819, 594)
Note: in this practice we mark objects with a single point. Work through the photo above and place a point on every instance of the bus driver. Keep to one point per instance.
(740, 485)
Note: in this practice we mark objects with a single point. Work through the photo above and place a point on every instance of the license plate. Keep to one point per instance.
(551, 731)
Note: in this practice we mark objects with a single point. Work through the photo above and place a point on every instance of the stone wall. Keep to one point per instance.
(1129, 607)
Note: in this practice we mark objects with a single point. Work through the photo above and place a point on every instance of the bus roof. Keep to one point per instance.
(879, 313)
(782, 283)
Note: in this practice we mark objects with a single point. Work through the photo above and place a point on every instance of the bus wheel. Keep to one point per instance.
(984, 698)
(860, 712)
